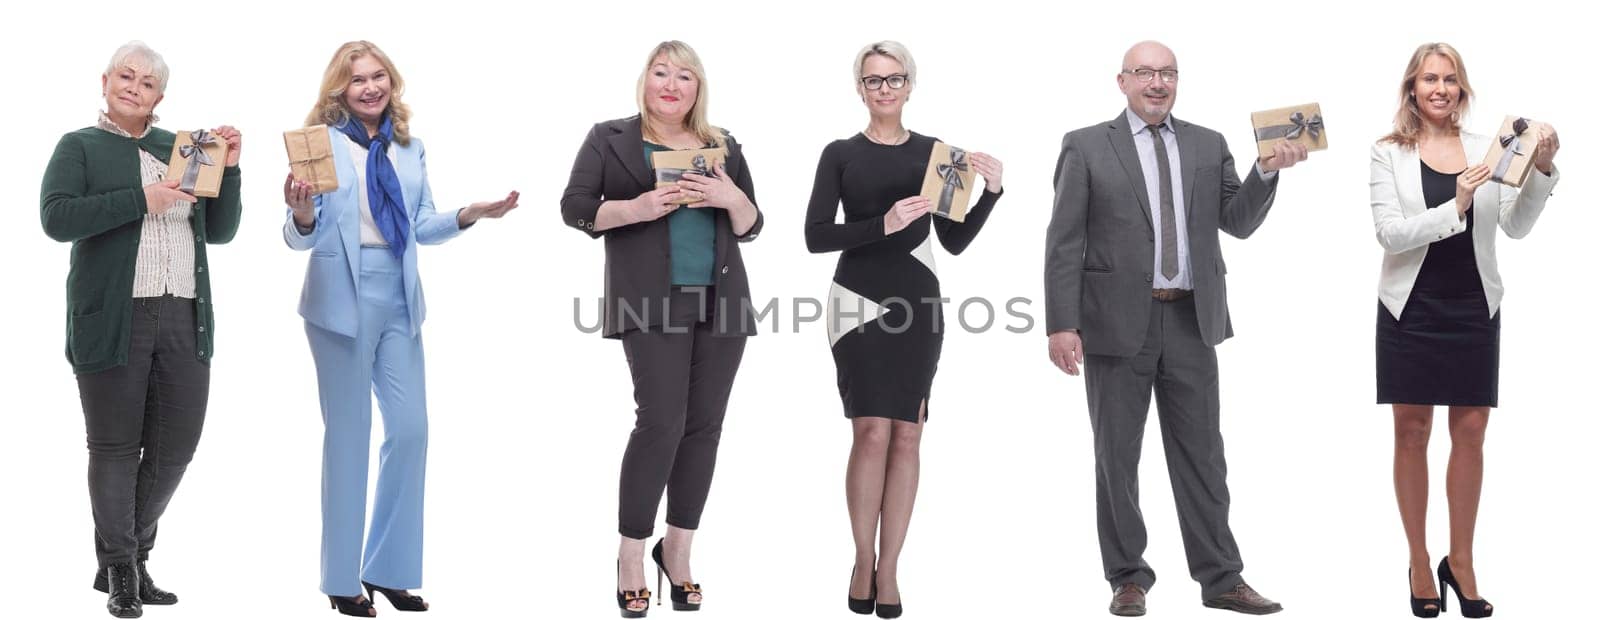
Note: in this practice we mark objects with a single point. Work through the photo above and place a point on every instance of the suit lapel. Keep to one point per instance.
(1188, 162)
(628, 146)
(1121, 137)
(1409, 188)
(349, 222)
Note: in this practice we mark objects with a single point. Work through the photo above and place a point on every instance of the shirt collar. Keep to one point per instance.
(107, 125)
(1138, 125)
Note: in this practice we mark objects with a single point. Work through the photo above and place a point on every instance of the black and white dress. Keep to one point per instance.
(884, 319)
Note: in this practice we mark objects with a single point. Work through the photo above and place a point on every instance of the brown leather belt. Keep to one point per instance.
(1170, 294)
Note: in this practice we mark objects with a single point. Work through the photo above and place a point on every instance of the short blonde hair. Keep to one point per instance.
(888, 49)
(330, 108)
(680, 54)
(130, 55)
(1408, 119)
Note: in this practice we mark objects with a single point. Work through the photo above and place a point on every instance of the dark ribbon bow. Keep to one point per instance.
(1313, 126)
(195, 152)
(951, 173)
(1513, 148)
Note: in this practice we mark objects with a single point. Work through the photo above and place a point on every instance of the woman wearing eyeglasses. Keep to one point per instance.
(1435, 210)
(885, 322)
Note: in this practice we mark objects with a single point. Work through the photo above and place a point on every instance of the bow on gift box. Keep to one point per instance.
(951, 173)
(196, 154)
(1298, 124)
(1513, 149)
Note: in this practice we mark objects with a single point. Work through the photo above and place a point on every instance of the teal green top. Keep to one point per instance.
(694, 238)
(93, 196)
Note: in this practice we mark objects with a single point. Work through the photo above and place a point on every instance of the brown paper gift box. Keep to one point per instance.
(1274, 126)
(947, 183)
(1511, 151)
(311, 158)
(671, 165)
(210, 157)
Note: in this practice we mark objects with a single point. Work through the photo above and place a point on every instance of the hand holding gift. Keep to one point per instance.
(297, 194)
(1545, 157)
(990, 169)
(711, 191)
(1286, 136)
(232, 138)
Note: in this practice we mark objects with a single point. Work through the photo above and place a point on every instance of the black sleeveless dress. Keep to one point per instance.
(1445, 348)
(884, 319)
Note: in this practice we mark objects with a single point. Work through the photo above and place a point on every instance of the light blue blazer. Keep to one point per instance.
(328, 299)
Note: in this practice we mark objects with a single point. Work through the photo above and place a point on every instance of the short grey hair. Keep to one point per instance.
(134, 51)
(890, 49)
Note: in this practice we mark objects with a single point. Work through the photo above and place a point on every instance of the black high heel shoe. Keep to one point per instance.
(1419, 606)
(679, 593)
(1470, 607)
(625, 598)
(864, 606)
(399, 599)
(885, 610)
(352, 606)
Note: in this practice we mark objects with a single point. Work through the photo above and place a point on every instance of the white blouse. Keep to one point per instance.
(165, 263)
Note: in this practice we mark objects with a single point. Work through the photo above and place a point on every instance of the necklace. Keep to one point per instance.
(899, 138)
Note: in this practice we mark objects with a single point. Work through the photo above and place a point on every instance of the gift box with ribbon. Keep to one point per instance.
(196, 163)
(948, 181)
(1301, 123)
(672, 165)
(311, 158)
(1511, 153)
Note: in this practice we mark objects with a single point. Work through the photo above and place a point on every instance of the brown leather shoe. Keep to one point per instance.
(1128, 601)
(1245, 600)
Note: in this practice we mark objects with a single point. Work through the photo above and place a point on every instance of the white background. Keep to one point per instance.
(529, 416)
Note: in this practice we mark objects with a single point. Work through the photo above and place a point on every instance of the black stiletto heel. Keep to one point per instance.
(1419, 606)
(399, 599)
(679, 592)
(624, 598)
(864, 606)
(352, 606)
(1470, 607)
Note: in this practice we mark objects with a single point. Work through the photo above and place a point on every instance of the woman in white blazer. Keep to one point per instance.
(1438, 335)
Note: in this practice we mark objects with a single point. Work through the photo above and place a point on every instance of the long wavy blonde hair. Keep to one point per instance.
(330, 108)
(1408, 119)
(680, 54)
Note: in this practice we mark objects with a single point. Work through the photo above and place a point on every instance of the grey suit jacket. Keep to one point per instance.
(1100, 247)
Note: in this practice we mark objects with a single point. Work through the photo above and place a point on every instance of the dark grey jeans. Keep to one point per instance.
(143, 421)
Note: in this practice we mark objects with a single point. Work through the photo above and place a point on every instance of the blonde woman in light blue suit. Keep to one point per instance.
(363, 307)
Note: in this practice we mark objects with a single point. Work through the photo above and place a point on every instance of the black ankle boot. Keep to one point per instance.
(122, 582)
(149, 594)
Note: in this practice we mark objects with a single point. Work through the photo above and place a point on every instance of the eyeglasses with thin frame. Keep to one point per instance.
(1145, 75)
(875, 82)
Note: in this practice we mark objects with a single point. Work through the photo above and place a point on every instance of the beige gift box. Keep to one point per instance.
(1510, 157)
(672, 165)
(198, 169)
(947, 183)
(1300, 123)
(311, 158)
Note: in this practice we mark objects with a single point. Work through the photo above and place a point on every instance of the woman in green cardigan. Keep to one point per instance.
(139, 323)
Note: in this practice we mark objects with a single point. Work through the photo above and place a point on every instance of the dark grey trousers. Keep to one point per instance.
(143, 421)
(1182, 370)
(682, 376)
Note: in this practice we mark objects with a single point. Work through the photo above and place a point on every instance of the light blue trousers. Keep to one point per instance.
(384, 359)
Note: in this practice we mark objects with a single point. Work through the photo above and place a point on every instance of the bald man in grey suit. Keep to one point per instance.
(1135, 293)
